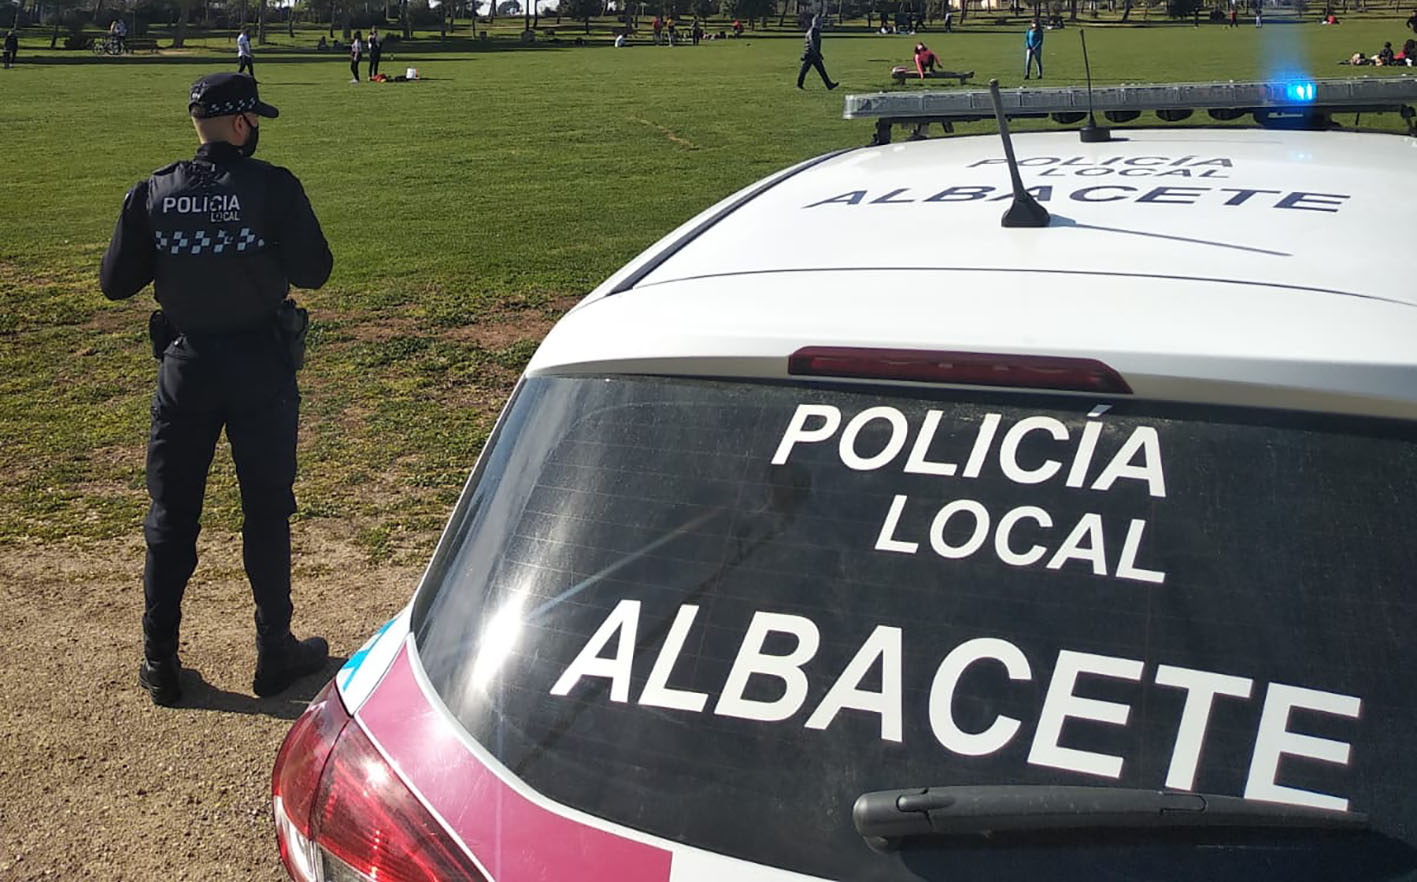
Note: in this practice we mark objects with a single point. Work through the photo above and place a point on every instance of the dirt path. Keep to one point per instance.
(98, 783)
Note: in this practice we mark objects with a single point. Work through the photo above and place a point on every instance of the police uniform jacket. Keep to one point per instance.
(221, 236)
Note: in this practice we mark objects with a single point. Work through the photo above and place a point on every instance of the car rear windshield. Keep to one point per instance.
(719, 611)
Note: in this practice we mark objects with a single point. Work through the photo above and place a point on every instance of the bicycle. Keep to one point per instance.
(108, 44)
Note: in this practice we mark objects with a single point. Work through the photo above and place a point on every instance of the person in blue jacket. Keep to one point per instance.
(1033, 50)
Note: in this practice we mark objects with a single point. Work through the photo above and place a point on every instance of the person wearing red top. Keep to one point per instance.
(925, 60)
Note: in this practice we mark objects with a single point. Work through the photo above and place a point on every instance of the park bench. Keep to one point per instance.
(902, 72)
(141, 44)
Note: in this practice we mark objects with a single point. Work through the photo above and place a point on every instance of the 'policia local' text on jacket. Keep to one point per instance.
(222, 237)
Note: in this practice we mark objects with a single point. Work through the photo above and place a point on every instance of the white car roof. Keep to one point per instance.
(1229, 265)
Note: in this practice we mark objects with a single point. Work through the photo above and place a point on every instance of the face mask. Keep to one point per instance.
(250, 146)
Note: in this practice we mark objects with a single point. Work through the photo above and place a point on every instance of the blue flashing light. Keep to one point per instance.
(1301, 93)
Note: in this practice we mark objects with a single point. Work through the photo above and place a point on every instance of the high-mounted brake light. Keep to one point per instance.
(343, 815)
(966, 368)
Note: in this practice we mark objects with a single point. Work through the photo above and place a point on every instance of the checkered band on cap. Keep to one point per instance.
(244, 105)
(224, 94)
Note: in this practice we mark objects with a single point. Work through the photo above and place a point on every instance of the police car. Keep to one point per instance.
(849, 533)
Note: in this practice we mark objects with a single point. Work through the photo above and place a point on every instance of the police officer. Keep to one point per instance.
(222, 237)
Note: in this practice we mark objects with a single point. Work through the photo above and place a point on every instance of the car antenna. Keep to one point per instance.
(1091, 133)
(1024, 211)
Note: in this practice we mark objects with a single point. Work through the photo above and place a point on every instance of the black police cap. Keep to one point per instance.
(223, 94)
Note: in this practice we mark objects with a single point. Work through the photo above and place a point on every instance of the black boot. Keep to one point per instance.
(285, 660)
(161, 680)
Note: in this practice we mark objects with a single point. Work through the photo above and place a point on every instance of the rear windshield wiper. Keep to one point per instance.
(886, 816)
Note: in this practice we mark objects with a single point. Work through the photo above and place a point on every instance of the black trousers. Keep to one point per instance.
(245, 63)
(374, 62)
(245, 384)
(354, 67)
(9, 58)
(809, 62)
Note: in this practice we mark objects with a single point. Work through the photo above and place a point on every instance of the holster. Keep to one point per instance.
(292, 324)
(161, 333)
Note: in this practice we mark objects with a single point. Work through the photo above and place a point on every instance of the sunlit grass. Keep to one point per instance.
(478, 201)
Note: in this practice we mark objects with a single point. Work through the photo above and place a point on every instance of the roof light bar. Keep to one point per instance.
(1311, 99)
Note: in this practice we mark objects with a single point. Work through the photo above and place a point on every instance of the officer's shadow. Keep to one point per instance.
(197, 693)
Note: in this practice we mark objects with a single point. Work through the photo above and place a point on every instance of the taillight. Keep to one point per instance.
(373, 824)
(296, 779)
(342, 815)
(968, 368)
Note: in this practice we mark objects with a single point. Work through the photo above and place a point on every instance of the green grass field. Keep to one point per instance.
(465, 212)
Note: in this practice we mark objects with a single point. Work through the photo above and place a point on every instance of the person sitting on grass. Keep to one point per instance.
(925, 60)
(1385, 57)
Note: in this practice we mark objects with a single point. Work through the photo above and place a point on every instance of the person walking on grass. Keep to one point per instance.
(812, 54)
(356, 54)
(376, 48)
(12, 48)
(1033, 50)
(244, 62)
(221, 237)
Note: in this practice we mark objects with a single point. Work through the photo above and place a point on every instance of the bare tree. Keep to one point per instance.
(59, 8)
(179, 36)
